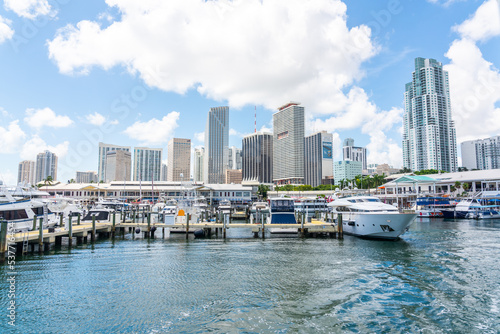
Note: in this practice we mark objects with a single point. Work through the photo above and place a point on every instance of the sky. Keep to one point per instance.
(74, 73)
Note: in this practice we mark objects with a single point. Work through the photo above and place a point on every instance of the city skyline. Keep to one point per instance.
(347, 62)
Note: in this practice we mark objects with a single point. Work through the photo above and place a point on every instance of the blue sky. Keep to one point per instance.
(138, 73)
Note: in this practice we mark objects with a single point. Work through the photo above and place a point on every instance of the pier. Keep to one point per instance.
(77, 233)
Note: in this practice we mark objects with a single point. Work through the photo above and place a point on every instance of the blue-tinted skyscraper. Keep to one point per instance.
(216, 145)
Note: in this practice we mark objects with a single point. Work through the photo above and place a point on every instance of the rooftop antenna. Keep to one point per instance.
(255, 119)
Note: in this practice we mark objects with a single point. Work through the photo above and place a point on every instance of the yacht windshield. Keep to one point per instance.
(282, 206)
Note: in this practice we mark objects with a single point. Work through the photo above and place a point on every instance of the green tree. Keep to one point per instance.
(262, 190)
(405, 170)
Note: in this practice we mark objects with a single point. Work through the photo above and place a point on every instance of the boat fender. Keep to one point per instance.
(137, 230)
(199, 233)
(153, 228)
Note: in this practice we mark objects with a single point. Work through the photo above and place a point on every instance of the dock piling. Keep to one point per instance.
(113, 227)
(4, 225)
(34, 223)
(70, 233)
(92, 236)
(340, 227)
(40, 235)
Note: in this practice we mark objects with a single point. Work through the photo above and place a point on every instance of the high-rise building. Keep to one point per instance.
(118, 165)
(216, 144)
(199, 154)
(179, 159)
(234, 158)
(318, 158)
(103, 149)
(257, 158)
(164, 172)
(346, 170)
(288, 144)
(86, 177)
(481, 153)
(147, 164)
(429, 136)
(353, 153)
(46, 165)
(26, 172)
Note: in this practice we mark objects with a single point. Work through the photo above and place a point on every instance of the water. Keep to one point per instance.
(443, 276)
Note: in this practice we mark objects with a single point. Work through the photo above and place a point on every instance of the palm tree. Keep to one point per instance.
(47, 181)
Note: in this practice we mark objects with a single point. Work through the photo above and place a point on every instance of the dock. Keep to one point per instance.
(78, 233)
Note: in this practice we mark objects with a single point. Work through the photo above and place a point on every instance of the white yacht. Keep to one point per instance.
(368, 217)
(281, 211)
(262, 206)
(166, 211)
(225, 206)
(102, 215)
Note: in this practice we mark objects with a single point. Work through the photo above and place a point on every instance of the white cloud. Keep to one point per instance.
(233, 132)
(8, 177)
(4, 112)
(484, 24)
(154, 132)
(12, 138)
(6, 31)
(474, 81)
(293, 50)
(37, 145)
(96, 119)
(38, 118)
(29, 9)
(200, 136)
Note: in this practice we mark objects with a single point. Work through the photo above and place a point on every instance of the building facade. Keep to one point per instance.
(147, 164)
(86, 177)
(233, 176)
(164, 172)
(481, 153)
(46, 165)
(26, 172)
(199, 154)
(346, 170)
(103, 149)
(318, 158)
(179, 159)
(216, 145)
(353, 153)
(234, 159)
(429, 135)
(257, 158)
(118, 165)
(288, 144)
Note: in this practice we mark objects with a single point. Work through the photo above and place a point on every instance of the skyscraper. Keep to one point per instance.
(481, 153)
(216, 144)
(288, 144)
(147, 164)
(353, 153)
(257, 158)
(26, 172)
(179, 159)
(118, 165)
(46, 165)
(103, 149)
(429, 136)
(199, 154)
(234, 158)
(318, 158)
(86, 177)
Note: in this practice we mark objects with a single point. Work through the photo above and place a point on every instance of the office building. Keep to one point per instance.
(179, 159)
(86, 177)
(199, 153)
(147, 164)
(234, 160)
(346, 170)
(481, 153)
(257, 158)
(118, 165)
(318, 158)
(164, 172)
(46, 165)
(216, 144)
(353, 153)
(429, 136)
(26, 172)
(288, 144)
(103, 149)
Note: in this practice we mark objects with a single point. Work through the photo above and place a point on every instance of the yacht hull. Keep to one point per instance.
(388, 226)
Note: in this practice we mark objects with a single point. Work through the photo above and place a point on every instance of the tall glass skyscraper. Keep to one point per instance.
(288, 144)
(318, 158)
(216, 145)
(257, 160)
(429, 135)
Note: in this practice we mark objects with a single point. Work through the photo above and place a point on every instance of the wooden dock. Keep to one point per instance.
(42, 240)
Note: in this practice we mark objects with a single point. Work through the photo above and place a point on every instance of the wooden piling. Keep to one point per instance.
(70, 233)
(149, 224)
(188, 216)
(34, 223)
(4, 225)
(40, 235)
(340, 226)
(92, 237)
(262, 228)
(113, 227)
(78, 221)
(61, 219)
(224, 226)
